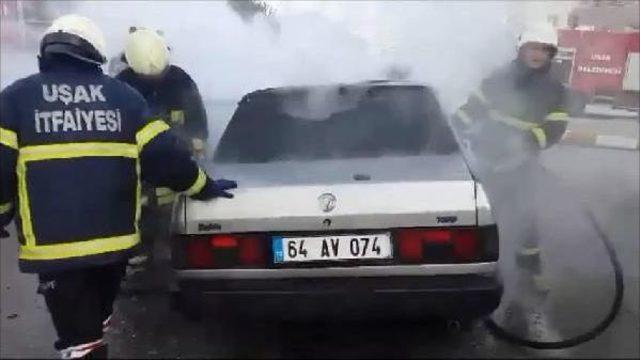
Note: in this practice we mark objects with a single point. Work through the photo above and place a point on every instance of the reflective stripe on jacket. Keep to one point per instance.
(520, 99)
(74, 146)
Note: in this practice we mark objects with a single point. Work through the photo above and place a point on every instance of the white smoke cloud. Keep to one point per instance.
(450, 45)
(229, 57)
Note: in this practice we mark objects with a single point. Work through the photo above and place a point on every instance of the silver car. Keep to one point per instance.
(352, 200)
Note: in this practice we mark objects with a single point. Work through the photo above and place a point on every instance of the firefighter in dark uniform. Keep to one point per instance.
(173, 96)
(170, 92)
(74, 146)
(517, 112)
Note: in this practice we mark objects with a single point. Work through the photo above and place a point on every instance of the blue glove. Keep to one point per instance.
(222, 185)
(216, 188)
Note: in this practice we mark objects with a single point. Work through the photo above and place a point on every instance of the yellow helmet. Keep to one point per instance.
(146, 52)
(76, 36)
(539, 33)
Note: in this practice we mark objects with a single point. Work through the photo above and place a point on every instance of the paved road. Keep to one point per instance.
(606, 180)
(618, 127)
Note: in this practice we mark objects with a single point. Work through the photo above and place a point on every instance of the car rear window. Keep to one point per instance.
(334, 123)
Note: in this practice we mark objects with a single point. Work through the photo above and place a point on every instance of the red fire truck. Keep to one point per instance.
(600, 65)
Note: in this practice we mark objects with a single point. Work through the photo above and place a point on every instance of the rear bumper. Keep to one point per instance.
(465, 296)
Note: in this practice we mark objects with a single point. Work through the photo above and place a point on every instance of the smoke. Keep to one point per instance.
(443, 44)
(448, 45)
(229, 57)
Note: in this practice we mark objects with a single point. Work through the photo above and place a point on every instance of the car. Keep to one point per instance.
(354, 200)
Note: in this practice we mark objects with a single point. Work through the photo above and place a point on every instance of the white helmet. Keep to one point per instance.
(539, 33)
(146, 52)
(76, 36)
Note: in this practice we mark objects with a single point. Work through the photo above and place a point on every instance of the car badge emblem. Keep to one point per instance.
(327, 202)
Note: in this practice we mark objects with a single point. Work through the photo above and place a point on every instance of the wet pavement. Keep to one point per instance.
(581, 293)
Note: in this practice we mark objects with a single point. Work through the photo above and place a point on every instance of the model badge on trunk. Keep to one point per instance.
(447, 219)
(209, 227)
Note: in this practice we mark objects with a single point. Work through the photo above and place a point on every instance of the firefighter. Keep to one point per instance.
(74, 144)
(517, 112)
(170, 92)
(173, 96)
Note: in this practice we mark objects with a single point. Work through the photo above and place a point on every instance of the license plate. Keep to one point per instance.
(328, 248)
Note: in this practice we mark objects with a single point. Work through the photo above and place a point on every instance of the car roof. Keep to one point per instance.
(357, 86)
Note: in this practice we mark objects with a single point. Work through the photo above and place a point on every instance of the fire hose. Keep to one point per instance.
(516, 156)
(505, 335)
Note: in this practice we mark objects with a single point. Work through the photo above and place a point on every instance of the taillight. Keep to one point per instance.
(442, 245)
(253, 251)
(466, 245)
(224, 241)
(410, 243)
(225, 251)
(199, 253)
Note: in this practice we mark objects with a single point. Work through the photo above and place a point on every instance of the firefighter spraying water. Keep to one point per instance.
(519, 111)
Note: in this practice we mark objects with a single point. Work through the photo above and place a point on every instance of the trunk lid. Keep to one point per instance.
(378, 193)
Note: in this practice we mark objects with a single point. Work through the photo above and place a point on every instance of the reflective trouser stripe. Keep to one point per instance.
(65, 151)
(529, 251)
(163, 191)
(9, 138)
(557, 116)
(197, 186)
(165, 196)
(143, 137)
(79, 248)
(5, 208)
(167, 199)
(540, 136)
